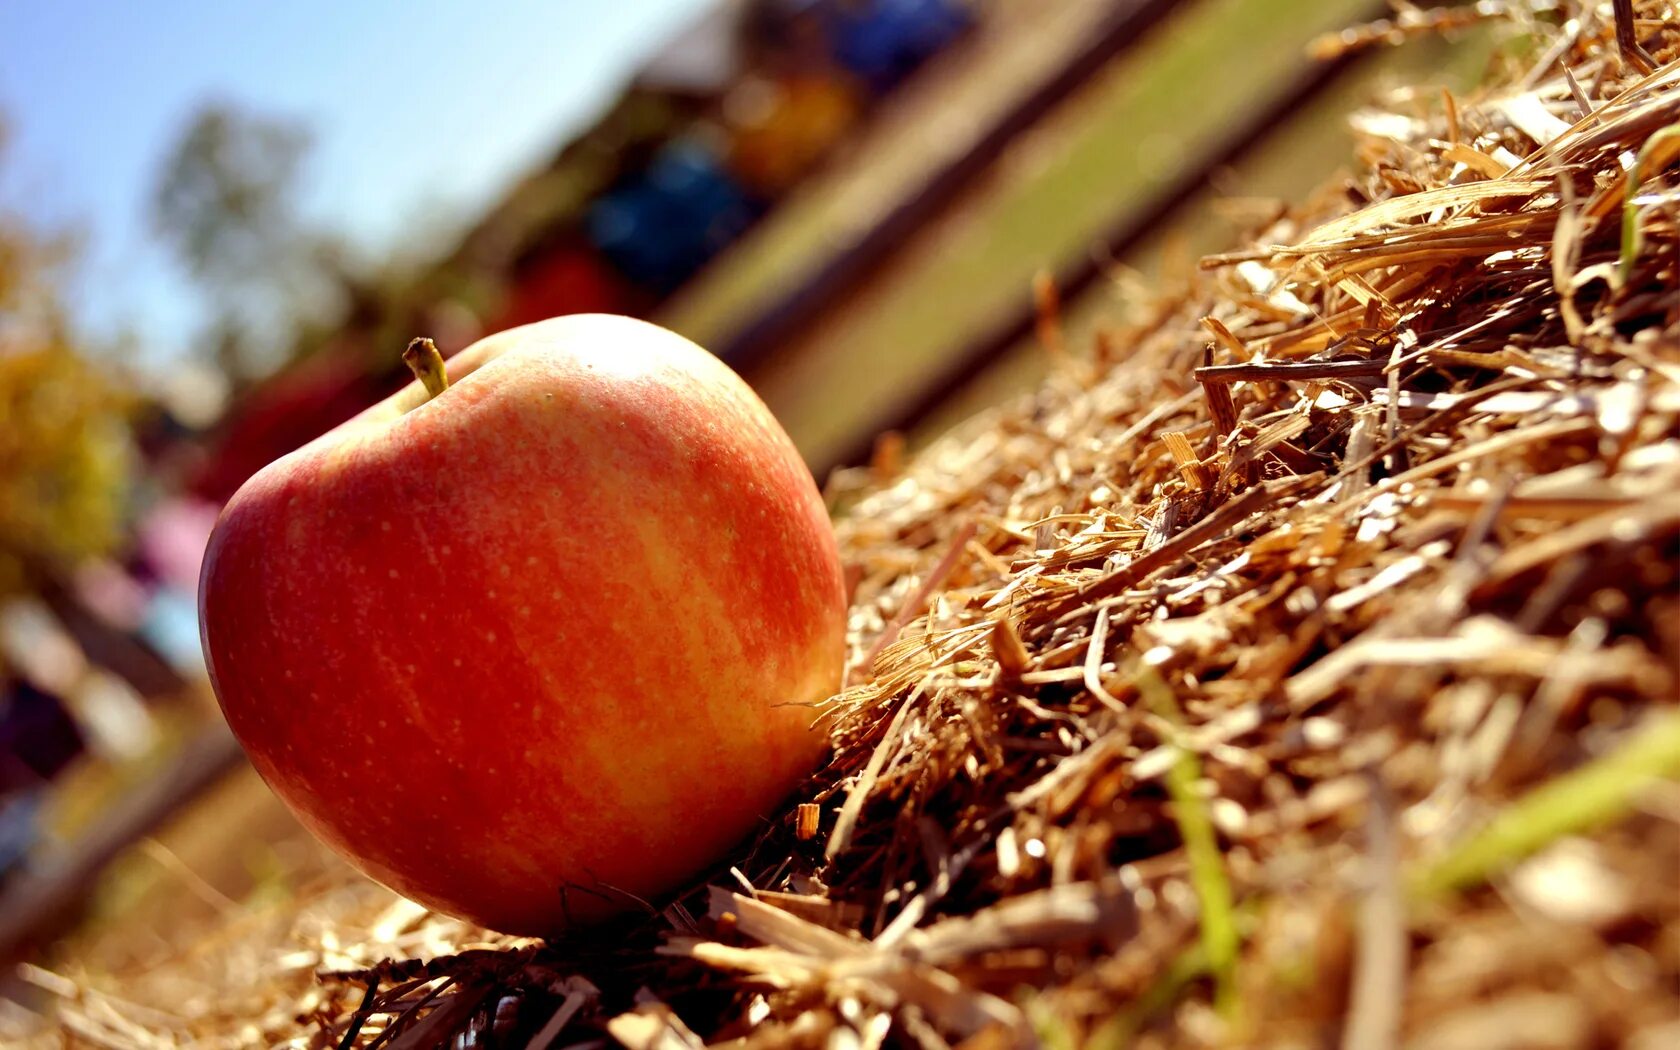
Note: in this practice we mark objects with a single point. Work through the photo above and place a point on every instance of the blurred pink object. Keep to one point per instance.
(172, 540)
(111, 593)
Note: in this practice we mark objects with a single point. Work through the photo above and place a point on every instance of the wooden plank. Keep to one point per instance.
(1134, 228)
(1119, 143)
(48, 896)
(1123, 25)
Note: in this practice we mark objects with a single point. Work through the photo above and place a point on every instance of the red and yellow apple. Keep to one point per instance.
(544, 644)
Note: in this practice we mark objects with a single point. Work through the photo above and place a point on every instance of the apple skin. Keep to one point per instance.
(540, 647)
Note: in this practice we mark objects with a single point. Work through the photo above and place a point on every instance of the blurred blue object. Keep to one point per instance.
(663, 225)
(883, 41)
(171, 627)
(20, 827)
(38, 738)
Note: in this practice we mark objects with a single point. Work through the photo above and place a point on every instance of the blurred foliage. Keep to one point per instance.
(65, 449)
(227, 204)
(225, 197)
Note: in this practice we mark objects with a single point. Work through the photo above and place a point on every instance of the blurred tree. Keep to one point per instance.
(226, 202)
(65, 451)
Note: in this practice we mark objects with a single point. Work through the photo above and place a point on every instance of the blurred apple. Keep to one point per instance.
(544, 644)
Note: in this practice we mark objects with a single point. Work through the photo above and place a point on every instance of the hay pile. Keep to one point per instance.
(1298, 670)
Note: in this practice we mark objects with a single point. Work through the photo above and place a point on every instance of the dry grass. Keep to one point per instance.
(1306, 678)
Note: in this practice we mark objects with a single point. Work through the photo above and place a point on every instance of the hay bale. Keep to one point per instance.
(1308, 673)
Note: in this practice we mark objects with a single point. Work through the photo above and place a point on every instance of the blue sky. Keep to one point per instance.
(421, 113)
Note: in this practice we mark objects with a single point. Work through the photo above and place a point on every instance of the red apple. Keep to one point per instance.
(544, 644)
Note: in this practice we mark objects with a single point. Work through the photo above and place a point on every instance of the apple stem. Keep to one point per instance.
(423, 359)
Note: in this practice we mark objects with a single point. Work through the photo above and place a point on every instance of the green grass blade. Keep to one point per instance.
(1633, 238)
(1220, 938)
(1596, 794)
